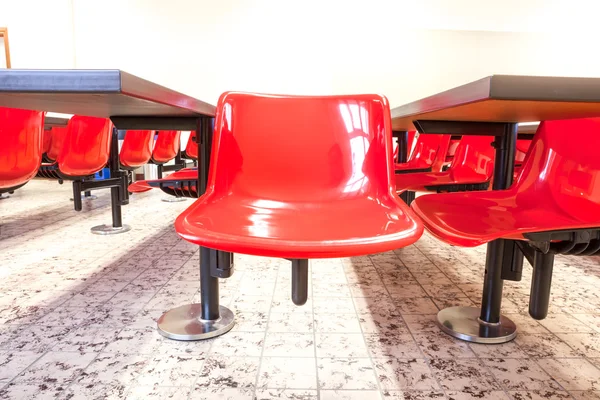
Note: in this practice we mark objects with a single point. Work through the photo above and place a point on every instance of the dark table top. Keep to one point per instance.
(506, 98)
(97, 93)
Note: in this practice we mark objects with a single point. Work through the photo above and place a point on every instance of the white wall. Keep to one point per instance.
(40, 33)
(405, 49)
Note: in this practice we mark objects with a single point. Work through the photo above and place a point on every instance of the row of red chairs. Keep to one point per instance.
(79, 150)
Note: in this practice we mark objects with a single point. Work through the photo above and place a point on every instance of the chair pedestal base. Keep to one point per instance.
(83, 197)
(464, 323)
(185, 323)
(110, 230)
(4, 196)
(173, 199)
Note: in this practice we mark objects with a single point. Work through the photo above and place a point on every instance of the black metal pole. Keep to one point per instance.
(541, 281)
(209, 287)
(503, 176)
(77, 195)
(299, 281)
(115, 170)
(402, 138)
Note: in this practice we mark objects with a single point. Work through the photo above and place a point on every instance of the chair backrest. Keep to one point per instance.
(191, 148)
(282, 149)
(521, 150)
(46, 140)
(452, 146)
(166, 147)
(562, 169)
(57, 139)
(429, 152)
(20, 145)
(473, 159)
(136, 149)
(86, 147)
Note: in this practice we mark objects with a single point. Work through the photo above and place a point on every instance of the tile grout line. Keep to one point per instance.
(210, 347)
(122, 328)
(262, 351)
(480, 361)
(362, 333)
(427, 360)
(314, 330)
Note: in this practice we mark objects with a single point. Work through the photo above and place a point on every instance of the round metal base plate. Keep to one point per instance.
(184, 323)
(92, 197)
(3, 196)
(109, 229)
(173, 199)
(464, 323)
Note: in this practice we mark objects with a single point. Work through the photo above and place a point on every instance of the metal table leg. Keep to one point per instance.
(207, 319)
(486, 324)
(118, 194)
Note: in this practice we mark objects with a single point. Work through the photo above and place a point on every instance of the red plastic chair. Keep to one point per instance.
(58, 135)
(452, 150)
(191, 148)
(166, 147)
(471, 169)
(558, 188)
(428, 156)
(86, 147)
(46, 140)
(20, 146)
(136, 149)
(554, 205)
(521, 150)
(291, 177)
(267, 194)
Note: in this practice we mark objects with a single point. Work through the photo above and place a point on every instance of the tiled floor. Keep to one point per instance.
(77, 316)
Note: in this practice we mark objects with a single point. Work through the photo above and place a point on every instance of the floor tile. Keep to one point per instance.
(288, 394)
(346, 373)
(396, 374)
(341, 345)
(228, 372)
(350, 395)
(171, 370)
(114, 369)
(392, 345)
(56, 368)
(158, 392)
(289, 345)
(518, 374)
(572, 373)
(288, 372)
(544, 345)
(477, 394)
(463, 375)
(440, 345)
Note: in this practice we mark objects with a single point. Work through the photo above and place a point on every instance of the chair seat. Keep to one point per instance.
(185, 174)
(474, 218)
(298, 230)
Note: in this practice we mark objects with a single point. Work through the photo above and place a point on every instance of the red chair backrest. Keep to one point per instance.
(46, 140)
(474, 159)
(136, 149)
(430, 152)
(191, 148)
(452, 149)
(86, 147)
(57, 139)
(521, 150)
(265, 149)
(20, 145)
(166, 147)
(562, 169)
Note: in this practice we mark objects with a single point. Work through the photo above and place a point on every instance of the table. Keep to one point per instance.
(494, 106)
(131, 103)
